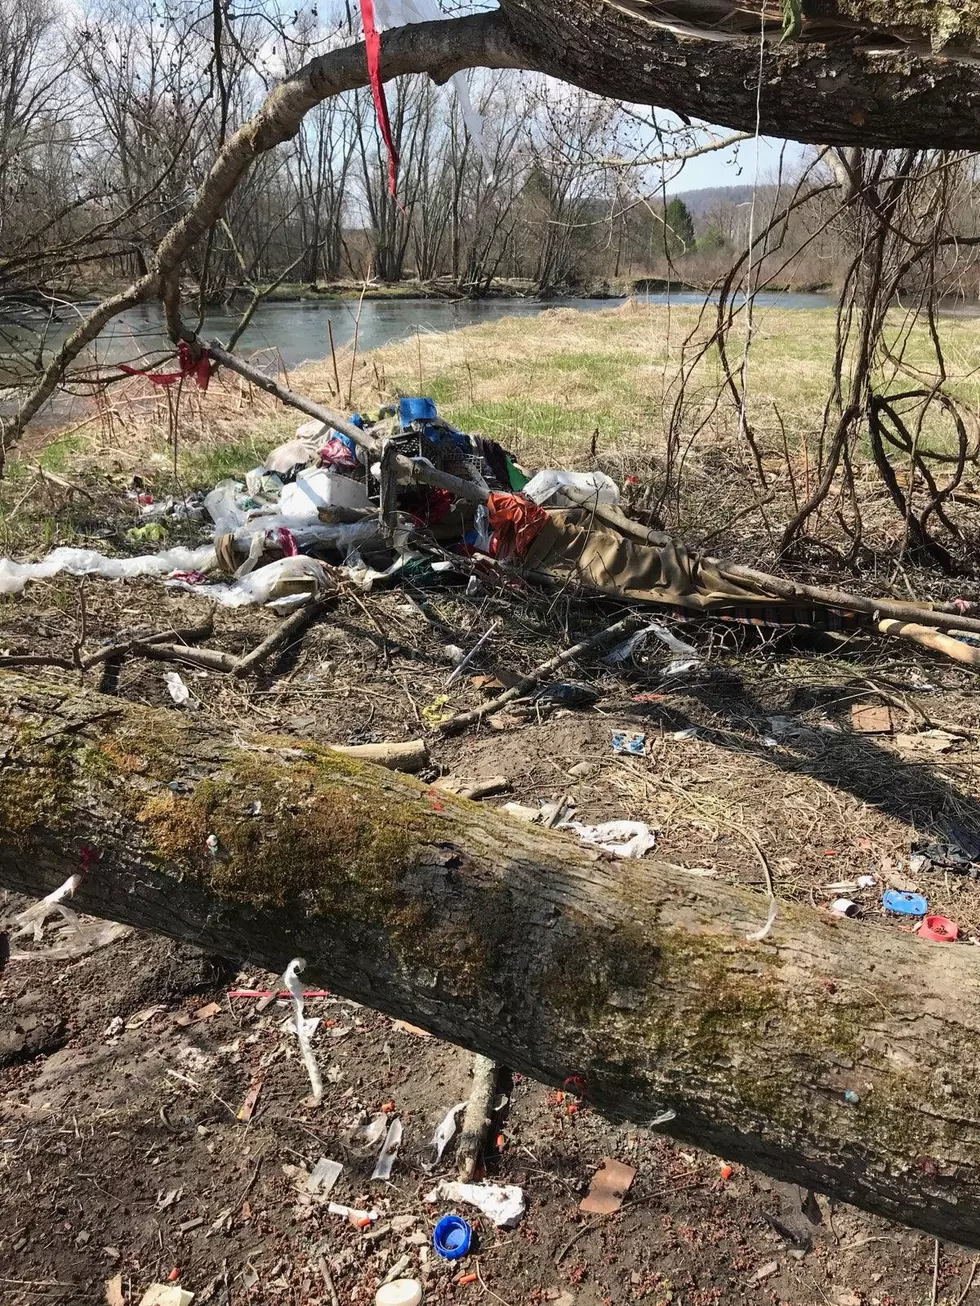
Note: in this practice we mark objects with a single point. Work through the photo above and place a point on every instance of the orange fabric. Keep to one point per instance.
(515, 522)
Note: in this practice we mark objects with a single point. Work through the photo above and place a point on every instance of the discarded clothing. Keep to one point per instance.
(572, 544)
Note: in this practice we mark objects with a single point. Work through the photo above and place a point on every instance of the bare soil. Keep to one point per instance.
(120, 1148)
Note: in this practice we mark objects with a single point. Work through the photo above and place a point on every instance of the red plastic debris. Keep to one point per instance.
(939, 930)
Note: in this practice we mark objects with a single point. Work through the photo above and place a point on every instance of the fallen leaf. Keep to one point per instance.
(205, 1013)
(610, 1183)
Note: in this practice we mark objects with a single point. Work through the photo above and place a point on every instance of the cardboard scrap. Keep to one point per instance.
(251, 1097)
(609, 1186)
(871, 718)
(113, 1291)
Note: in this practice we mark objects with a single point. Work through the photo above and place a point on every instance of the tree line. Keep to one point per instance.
(110, 113)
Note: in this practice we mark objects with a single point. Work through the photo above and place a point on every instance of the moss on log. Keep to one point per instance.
(517, 943)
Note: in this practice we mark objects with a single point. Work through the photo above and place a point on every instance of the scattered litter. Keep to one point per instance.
(86, 562)
(188, 1225)
(623, 652)
(369, 1135)
(765, 1272)
(206, 1013)
(177, 689)
(765, 931)
(904, 904)
(844, 907)
(938, 929)
(113, 1291)
(852, 1098)
(871, 719)
(451, 1238)
(563, 694)
(166, 1294)
(400, 1292)
(389, 1152)
(560, 489)
(325, 1175)
(632, 742)
(960, 854)
(292, 982)
(247, 1108)
(439, 710)
(357, 1218)
(618, 838)
(32, 919)
(690, 733)
(610, 1184)
(443, 1135)
(503, 1204)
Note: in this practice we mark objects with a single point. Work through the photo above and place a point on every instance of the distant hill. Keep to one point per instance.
(702, 201)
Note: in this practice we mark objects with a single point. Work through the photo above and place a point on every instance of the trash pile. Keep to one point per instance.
(407, 494)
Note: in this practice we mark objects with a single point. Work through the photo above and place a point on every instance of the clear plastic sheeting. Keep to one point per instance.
(400, 13)
(87, 562)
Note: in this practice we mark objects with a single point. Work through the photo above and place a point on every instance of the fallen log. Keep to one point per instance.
(836, 1054)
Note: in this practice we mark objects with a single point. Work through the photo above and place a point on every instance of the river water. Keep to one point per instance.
(298, 330)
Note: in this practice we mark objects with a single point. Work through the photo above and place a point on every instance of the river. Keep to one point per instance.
(298, 329)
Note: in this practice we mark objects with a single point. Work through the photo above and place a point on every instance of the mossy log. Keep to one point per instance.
(839, 1055)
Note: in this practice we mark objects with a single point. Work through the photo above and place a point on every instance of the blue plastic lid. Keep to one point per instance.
(904, 904)
(452, 1237)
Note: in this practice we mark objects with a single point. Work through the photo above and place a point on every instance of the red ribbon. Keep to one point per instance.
(199, 369)
(372, 40)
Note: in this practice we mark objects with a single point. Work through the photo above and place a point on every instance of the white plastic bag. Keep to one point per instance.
(560, 489)
(86, 562)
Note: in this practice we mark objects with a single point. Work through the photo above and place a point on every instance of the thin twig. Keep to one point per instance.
(935, 1272)
(463, 719)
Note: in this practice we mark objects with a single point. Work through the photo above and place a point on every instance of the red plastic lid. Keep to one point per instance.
(939, 930)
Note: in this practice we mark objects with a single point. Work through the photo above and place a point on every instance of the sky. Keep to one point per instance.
(736, 166)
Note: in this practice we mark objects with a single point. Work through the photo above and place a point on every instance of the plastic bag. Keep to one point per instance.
(572, 489)
(87, 562)
(284, 586)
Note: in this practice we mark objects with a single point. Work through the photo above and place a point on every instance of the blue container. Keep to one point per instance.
(904, 904)
(452, 1237)
(416, 410)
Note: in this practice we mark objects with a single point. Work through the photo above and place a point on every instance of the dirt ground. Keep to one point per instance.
(123, 1073)
(121, 1150)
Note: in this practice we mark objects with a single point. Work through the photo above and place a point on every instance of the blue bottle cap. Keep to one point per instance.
(904, 904)
(452, 1237)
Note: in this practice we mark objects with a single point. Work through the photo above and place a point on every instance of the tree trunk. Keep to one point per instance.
(517, 943)
(865, 72)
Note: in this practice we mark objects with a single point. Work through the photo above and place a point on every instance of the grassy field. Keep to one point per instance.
(551, 388)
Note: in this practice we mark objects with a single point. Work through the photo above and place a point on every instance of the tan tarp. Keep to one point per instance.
(573, 544)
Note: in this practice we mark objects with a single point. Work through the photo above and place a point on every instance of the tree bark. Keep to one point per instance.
(874, 72)
(519, 944)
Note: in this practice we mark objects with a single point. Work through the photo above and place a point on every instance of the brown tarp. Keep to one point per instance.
(574, 545)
